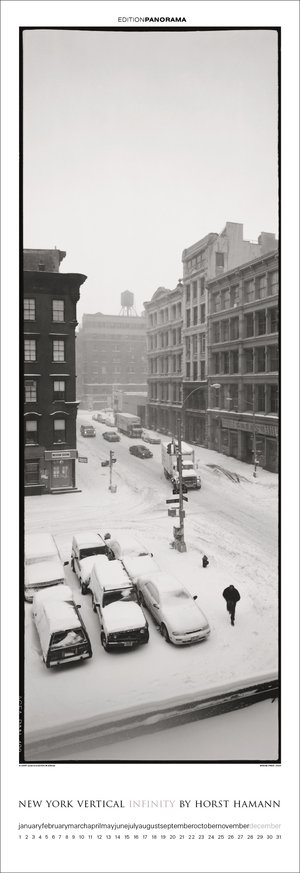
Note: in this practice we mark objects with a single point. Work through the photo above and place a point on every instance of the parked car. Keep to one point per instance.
(140, 451)
(62, 633)
(180, 619)
(140, 566)
(111, 436)
(42, 575)
(114, 598)
(85, 547)
(155, 441)
(87, 430)
(96, 416)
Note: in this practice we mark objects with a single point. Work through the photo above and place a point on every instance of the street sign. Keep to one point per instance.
(82, 460)
(172, 513)
(173, 500)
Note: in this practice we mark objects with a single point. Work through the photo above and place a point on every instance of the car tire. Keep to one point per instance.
(164, 633)
(104, 643)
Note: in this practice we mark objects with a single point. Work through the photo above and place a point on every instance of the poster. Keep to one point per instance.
(106, 93)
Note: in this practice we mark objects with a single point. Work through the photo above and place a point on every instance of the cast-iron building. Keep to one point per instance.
(50, 406)
(164, 350)
(243, 362)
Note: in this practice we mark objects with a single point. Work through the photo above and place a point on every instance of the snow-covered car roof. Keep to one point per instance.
(39, 546)
(61, 614)
(88, 538)
(124, 544)
(111, 574)
(164, 582)
(141, 566)
(123, 615)
(56, 594)
(43, 572)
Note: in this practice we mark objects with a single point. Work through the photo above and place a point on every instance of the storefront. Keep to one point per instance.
(238, 438)
(195, 428)
(47, 471)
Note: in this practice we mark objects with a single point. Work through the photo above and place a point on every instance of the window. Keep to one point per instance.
(195, 315)
(216, 332)
(235, 361)
(59, 435)
(195, 371)
(58, 310)
(188, 293)
(202, 285)
(248, 291)
(225, 331)
(59, 388)
(260, 287)
(29, 350)
(194, 286)
(249, 325)
(202, 343)
(188, 317)
(31, 472)
(260, 398)
(31, 433)
(179, 336)
(225, 299)
(219, 259)
(261, 323)
(234, 295)
(194, 340)
(202, 370)
(273, 316)
(58, 347)
(248, 398)
(225, 362)
(273, 283)
(273, 359)
(202, 313)
(188, 370)
(29, 309)
(248, 360)
(274, 399)
(260, 360)
(216, 363)
(30, 391)
(188, 346)
(234, 328)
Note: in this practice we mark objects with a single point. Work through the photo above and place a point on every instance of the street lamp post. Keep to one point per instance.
(180, 543)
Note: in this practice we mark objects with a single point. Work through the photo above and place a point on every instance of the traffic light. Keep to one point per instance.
(112, 457)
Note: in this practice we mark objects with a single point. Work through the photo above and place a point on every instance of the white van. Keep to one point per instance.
(114, 598)
(62, 633)
(85, 546)
(42, 575)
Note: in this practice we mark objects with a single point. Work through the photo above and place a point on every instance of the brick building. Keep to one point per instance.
(110, 356)
(50, 406)
(243, 362)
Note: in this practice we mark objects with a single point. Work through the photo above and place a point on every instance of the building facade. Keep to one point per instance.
(164, 351)
(50, 406)
(243, 362)
(111, 356)
(210, 257)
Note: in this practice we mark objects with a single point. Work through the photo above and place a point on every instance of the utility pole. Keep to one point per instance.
(111, 487)
(180, 543)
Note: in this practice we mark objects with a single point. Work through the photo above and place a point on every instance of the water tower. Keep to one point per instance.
(127, 303)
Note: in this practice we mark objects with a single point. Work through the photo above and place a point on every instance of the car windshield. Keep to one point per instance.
(123, 594)
(67, 638)
(96, 550)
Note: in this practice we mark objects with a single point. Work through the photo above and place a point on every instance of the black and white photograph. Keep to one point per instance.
(154, 449)
(151, 398)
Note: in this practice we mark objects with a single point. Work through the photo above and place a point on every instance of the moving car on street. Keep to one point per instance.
(63, 635)
(111, 436)
(140, 451)
(87, 430)
(173, 608)
(114, 599)
(153, 440)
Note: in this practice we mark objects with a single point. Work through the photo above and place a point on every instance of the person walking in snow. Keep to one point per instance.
(205, 561)
(231, 595)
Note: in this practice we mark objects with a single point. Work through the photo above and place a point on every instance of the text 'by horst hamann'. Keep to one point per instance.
(262, 803)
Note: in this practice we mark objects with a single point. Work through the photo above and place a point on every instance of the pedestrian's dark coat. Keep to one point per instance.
(231, 594)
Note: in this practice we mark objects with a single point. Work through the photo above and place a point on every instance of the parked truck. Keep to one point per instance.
(169, 456)
(129, 424)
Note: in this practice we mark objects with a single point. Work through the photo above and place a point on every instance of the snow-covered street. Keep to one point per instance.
(234, 523)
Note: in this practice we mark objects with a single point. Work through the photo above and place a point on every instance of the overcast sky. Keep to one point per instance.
(138, 144)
